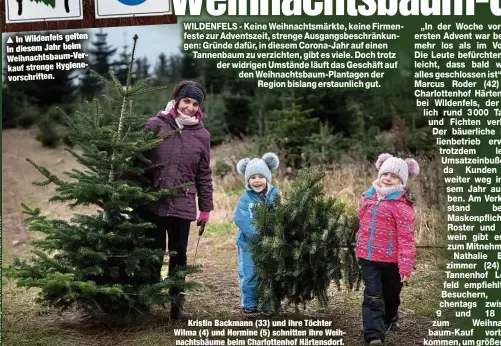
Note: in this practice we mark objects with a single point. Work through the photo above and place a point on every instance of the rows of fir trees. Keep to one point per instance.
(103, 263)
(100, 262)
(35, 102)
(304, 126)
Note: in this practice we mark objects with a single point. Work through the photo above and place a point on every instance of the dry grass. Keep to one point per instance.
(346, 181)
(26, 323)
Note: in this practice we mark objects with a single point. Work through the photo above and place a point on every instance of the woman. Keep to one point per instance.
(183, 157)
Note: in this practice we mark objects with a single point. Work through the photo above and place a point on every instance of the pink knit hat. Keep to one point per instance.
(387, 163)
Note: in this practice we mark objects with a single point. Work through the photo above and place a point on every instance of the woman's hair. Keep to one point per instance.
(177, 88)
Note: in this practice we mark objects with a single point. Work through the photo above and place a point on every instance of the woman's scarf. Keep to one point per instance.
(181, 118)
(186, 120)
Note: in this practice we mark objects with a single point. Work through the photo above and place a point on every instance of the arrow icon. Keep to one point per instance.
(10, 40)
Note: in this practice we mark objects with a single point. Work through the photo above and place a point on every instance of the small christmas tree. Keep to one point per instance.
(301, 244)
(323, 147)
(102, 263)
(290, 129)
(51, 3)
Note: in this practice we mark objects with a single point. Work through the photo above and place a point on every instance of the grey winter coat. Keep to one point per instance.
(184, 157)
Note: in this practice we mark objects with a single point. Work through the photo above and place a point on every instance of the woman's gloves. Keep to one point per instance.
(203, 218)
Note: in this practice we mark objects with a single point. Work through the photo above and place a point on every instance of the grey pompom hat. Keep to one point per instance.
(263, 166)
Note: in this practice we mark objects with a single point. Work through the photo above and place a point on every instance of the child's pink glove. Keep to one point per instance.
(203, 217)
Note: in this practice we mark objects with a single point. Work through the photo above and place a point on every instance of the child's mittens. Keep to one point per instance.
(405, 269)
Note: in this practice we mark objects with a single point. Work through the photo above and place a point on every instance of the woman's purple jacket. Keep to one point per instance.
(185, 157)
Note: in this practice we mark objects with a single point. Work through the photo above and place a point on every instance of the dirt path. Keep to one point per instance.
(26, 323)
(17, 178)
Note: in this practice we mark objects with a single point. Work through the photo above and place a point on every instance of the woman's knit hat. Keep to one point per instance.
(263, 166)
(191, 91)
(387, 163)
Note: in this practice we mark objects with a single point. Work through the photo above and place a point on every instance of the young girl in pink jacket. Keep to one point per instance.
(385, 245)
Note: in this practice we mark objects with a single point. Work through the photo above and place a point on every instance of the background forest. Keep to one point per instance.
(304, 126)
(340, 130)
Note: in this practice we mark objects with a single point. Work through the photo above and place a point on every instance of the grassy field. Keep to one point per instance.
(26, 323)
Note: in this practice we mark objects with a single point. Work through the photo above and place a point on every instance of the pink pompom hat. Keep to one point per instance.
(387, 163)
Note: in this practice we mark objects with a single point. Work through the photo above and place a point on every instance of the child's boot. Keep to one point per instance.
(250, 311)
(393, 326)
(376, 343)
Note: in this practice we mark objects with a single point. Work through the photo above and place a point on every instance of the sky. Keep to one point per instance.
(153, 39)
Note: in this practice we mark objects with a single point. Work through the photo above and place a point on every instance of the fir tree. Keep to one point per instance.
(121, 66)
(161, 70)
(142, 68)
(238, 110)
(366, 137)
(189, 66)
(323, 147)
(236, 85)
(290, 129)
(100, 55)
(264, 102)
(175, 68)
(102, 263)
(214, 119)
(214, 77)
(300, 248)
(17, 110)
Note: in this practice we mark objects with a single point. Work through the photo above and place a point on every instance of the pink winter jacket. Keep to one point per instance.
(386, 230)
